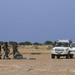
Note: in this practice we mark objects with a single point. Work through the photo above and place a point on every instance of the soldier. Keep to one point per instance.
(0, 51)
(16, 53)
(6, 50)
(15, 49)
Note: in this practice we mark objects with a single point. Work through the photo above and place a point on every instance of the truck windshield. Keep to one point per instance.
(60, 44)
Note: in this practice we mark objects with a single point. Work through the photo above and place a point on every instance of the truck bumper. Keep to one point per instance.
(59, 54)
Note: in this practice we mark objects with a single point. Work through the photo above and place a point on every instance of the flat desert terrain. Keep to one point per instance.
(39, 64)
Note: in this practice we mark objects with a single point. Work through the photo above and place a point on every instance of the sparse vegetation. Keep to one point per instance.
(12, 42)
(1, 42)
(36, 53)
(48, 43)
(36, 43)
(36, 47)
(49, 47)
(25, 43)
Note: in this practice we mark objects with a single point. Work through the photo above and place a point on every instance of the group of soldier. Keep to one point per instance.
(6, 51)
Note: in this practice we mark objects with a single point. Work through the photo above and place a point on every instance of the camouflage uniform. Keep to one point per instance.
(6, 50)
(15, 49)
(16, 53)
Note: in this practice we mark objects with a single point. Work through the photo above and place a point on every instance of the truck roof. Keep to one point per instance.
(64, 41)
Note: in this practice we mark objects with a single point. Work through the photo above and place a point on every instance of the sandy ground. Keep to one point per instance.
(43, 65)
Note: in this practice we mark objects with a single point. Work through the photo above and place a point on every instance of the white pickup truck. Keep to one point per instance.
(72, 49)
(62, 48)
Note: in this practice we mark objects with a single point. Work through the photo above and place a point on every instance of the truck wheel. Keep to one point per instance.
(58, 57)
(71, 56)
(52, 56)
(67, 56)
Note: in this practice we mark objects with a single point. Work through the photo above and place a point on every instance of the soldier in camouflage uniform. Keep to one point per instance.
(6, 50)
(15, 49)
(16, 53)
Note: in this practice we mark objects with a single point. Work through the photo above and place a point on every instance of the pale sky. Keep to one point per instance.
(37, 20)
